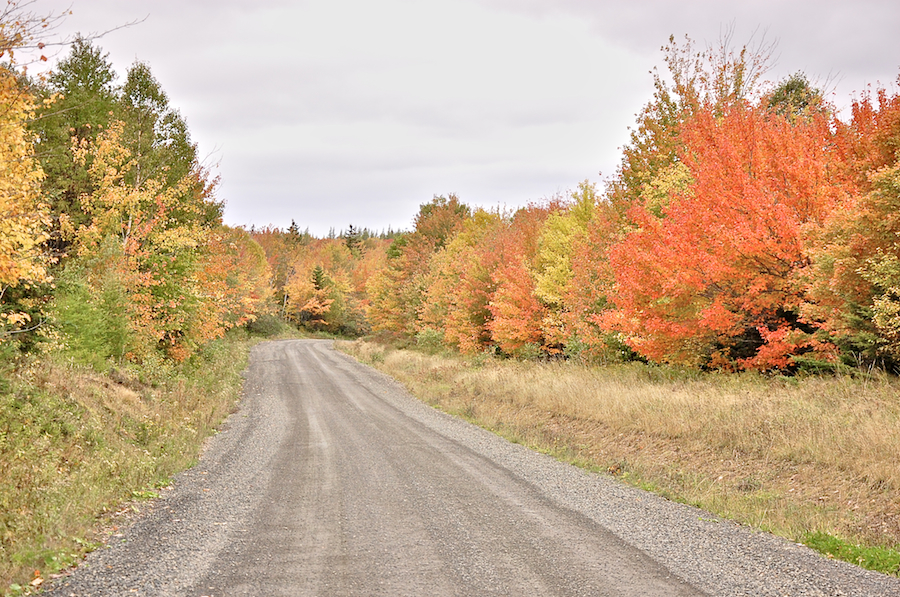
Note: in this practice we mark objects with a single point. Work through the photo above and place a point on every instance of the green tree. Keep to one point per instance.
(794, 96)
(320, 278)
(80, 97)
(353, 238)
(159, 142)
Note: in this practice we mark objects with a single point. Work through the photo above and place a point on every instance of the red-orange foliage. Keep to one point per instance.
(236, 278)
(713, 279)
(372, 259)
(318, 283)
(874, 132)
(516, 312)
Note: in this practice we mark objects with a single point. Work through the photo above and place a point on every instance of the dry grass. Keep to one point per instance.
(789, 456)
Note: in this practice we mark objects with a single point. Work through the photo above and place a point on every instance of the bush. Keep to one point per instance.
(95, 327)
(430, 341)
(268, 326)
(530, 351)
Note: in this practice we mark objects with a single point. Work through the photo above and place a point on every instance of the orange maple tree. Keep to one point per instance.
(517, 313)
(710, 278)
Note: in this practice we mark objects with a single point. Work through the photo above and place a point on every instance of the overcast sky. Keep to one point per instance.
(338, 112)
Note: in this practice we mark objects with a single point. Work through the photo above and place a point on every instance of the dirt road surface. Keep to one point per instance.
(332, 481)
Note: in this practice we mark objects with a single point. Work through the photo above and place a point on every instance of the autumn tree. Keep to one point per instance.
(717, 77)
(853, 281)
(282, 250)
(591, 290)
(133, 245)
(24, 217)
(370, 259)
(713, 279)
(319, 285)
(235, 279)
(148, 208)
(561, 232)
(459, 284)
(517, 314)
(396, 293)
(873, 134)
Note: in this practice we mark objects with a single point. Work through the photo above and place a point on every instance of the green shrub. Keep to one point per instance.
(529, 352)
(267, 326)
(95, 325)
(430, 341)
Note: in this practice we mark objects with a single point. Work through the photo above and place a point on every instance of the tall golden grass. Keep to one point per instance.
(790, 456)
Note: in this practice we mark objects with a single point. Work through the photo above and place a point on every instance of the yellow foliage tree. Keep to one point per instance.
(459, 285)
(133, 232)
(24, 217)
(553, 272)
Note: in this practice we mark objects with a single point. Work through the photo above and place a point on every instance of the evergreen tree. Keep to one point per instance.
(353, 238)
(157, 137)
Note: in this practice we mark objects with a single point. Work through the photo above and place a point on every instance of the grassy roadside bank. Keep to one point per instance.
(813, 460)
(77, 445)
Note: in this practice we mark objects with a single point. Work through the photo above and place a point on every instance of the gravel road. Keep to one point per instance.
(332, 480)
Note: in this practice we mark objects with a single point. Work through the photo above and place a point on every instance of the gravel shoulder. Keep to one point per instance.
(332, 480)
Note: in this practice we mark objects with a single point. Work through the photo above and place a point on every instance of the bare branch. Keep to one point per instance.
(4, 333)
(24, 31)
